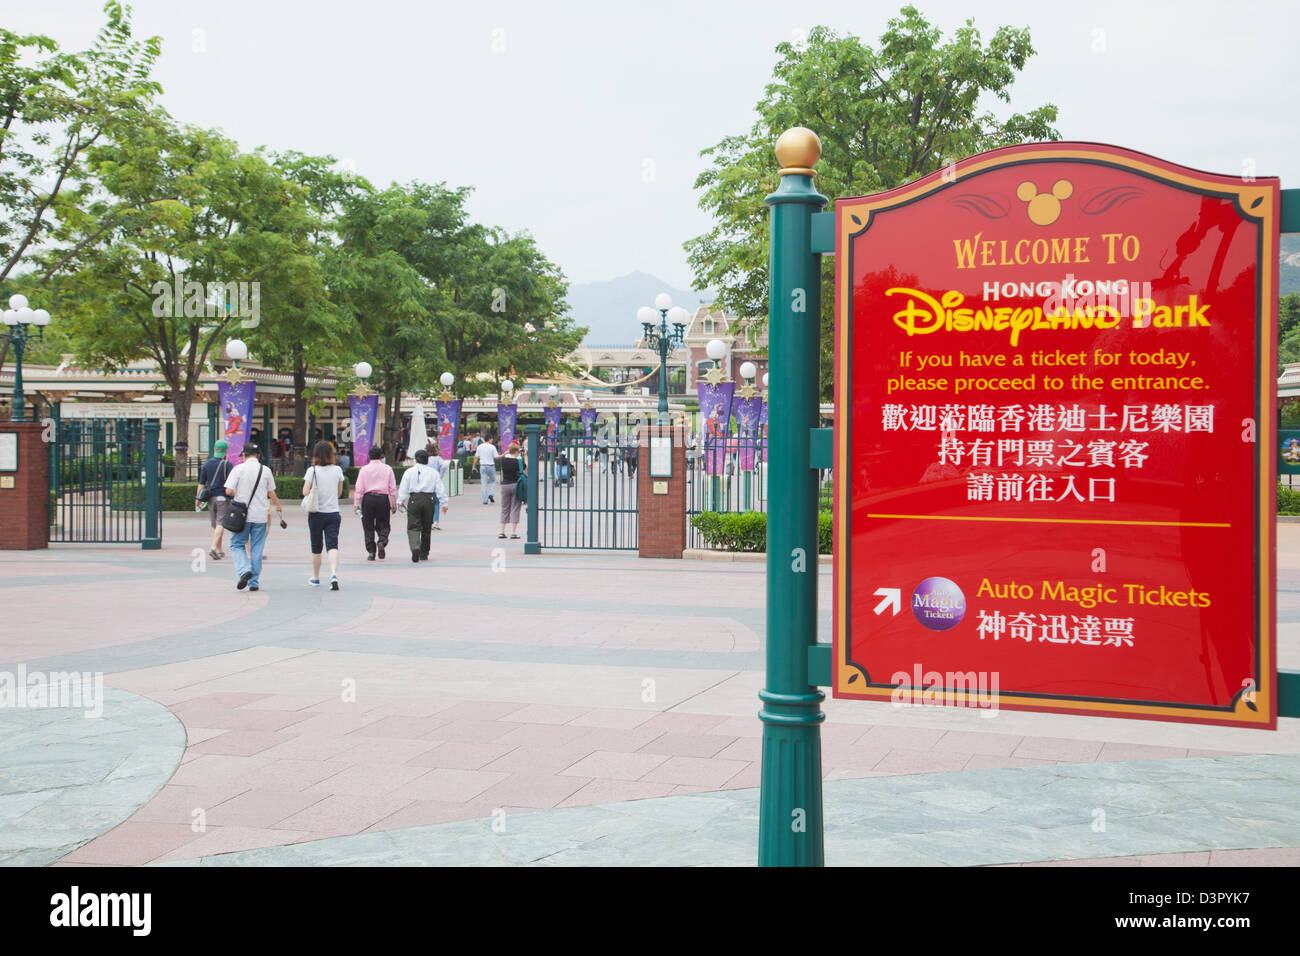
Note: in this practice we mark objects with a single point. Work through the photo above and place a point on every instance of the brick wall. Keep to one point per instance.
(24, 508)
(661, 531)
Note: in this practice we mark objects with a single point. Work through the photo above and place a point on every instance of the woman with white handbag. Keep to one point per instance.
(321, 488)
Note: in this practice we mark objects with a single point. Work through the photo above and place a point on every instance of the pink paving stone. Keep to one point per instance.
(449, 786)
(673, 722)
(613, 719)
(751, 776)
(546, 714)
(335, 725)
(857, 758)
(1058, 748)
(232, 839)
(174, 804)
(217, 770)
(852, 773)
(683, 788)
(900, 738)
(847, 734)
(695, 771)
(366, 779)
(260, 808)
(406, 728)
(412, 707)
(616, 766)
(547, 735)
(964, 741)
(364, 704)
(342, 814)
(311, 747)
(292, 775)
(229, 718)
(920, 761)
(240, 742)
(540, 791)
(1175, 859)
(608, 738)
(473, 730)
(480, 709)
(225, 700)
(293, 702)
(423, 813)
(1275, 856)
(459, 755)
(134, 844)
(743, 748)
(1193, 752)
(739, 727)
(615, 791)
(196, 735)
(687, 745)
(1113, 751)
(993, 761)
(383, 750)
(540, 760)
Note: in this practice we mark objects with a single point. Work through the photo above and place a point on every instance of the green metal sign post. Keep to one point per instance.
(790, 800)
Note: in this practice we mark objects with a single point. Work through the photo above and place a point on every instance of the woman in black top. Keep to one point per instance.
(509, 467)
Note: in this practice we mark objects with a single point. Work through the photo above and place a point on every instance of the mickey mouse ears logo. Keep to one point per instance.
(1044, 208)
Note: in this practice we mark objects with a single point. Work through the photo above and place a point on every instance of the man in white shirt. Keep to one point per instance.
(254, 484)
(487, 468)
(420, 485)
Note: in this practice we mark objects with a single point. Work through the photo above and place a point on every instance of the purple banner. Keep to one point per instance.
(448, 424)
(588, 419)
(553, 416)
(762, 430)
(507, 416)
(748, 412)
(236, 404)
(715, 412)
(364, 412)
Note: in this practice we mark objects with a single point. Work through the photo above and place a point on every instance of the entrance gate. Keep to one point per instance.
(105, 482)
(587, 493)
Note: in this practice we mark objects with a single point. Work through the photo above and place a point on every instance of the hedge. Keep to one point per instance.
(746, 531)
(180, 497)
(1288, 500)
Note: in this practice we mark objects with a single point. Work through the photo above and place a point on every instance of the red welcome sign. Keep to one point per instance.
(1054, 472)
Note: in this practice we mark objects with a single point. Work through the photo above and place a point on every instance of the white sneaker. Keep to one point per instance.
(314, 582)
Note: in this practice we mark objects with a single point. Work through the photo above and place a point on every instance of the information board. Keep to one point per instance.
(1055, 461)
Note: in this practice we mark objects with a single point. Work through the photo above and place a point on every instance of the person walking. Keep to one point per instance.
(420, 486)
(254, 484)
(212, 489)
(487, 455)
(512, 466)
(375, 499)
(326, 479)
(436, 461)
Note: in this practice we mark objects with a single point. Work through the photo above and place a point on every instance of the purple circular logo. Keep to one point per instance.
(938, 604)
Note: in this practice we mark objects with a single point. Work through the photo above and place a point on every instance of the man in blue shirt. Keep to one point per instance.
(212, 476)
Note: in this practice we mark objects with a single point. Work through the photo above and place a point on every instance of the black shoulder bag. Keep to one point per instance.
(237, 511)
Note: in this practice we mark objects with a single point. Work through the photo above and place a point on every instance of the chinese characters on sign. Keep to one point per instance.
(1056, 427)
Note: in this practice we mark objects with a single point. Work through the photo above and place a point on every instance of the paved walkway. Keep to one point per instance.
(486, 683)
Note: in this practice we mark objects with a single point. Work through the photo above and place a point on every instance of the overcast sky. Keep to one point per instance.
(553, 110)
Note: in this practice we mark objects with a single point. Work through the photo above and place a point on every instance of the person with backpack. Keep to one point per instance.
(212, 489)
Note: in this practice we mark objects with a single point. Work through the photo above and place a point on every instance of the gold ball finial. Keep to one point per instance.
(797, 150)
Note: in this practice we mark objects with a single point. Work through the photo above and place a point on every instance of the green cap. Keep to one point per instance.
(222, 446)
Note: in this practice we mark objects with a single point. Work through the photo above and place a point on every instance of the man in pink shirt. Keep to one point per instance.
(375, 496)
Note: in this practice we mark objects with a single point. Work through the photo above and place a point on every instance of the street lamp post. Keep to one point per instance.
(663, 339)
(20, 321)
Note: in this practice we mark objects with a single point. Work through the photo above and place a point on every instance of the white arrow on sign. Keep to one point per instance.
(892, 596)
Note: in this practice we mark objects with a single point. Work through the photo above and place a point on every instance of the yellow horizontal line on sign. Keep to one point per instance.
(1148, 524)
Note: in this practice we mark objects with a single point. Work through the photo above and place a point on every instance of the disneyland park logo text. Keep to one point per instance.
(212, 300)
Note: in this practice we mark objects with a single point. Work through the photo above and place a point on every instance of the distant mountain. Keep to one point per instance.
(608, 309)
(1288, 277)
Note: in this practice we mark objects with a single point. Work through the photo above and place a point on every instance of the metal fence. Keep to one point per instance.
(587, 493)
(105, 479)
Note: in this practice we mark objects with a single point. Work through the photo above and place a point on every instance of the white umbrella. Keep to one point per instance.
(419, 437)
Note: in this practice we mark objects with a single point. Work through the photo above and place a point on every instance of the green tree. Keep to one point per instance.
(885, 116)
(1288, 330)
(236, 219)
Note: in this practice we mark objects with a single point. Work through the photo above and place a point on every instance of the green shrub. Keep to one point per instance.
(1288, 500)
(746, 531)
